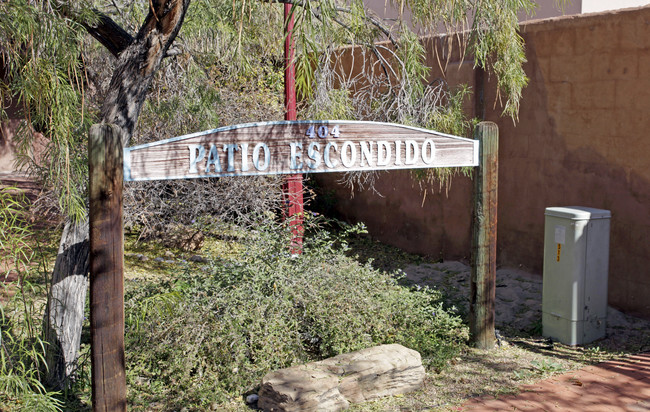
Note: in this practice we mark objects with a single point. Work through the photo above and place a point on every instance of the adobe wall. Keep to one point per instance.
(8, 129)
(7, 146)
(581, 139)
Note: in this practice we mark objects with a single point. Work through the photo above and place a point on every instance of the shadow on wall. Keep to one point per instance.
(437, 225)
(565, 152)
(580, 141)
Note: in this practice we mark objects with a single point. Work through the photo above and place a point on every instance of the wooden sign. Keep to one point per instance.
(290, 147)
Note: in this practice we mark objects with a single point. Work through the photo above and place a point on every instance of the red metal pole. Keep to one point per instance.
(293, 187)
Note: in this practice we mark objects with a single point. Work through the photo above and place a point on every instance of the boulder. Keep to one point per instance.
(332, 384)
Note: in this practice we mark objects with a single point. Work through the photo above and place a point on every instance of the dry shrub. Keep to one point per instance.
(210, 335)
(177, 210)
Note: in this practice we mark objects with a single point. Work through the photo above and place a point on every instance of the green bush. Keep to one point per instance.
(210, 336)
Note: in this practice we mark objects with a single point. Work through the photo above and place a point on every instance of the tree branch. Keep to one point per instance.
(109, 34)
(104, 30)
(369, 19)
(138, 63)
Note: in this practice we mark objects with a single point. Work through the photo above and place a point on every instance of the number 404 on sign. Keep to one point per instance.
(322, 131)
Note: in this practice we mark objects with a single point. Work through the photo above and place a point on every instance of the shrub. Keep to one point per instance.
(212, 335)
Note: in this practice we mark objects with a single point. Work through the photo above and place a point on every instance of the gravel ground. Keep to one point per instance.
(519, 303)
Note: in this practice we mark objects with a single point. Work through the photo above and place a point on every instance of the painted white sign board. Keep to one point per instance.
(291, 147)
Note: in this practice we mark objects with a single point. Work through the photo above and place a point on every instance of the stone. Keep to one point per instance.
(333, 384)
(197, 259)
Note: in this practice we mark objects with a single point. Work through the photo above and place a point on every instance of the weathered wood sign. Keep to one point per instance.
(289, 147)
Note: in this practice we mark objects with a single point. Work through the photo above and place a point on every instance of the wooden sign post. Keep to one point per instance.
(484, 238)
(106, 269)
(285, 147)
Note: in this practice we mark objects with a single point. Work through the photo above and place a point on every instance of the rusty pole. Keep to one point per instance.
(106, 269)
(484, 238)
(294, 182)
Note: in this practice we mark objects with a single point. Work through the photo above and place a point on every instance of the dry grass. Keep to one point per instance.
(479, 372)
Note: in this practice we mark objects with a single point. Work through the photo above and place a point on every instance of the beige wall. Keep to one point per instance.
(592, 6)
(7, 154)
(8, 129)
(581, 139)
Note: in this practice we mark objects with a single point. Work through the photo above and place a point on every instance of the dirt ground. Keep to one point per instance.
(519, 304)
(523, 356)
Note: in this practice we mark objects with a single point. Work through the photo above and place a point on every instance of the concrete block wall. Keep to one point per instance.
(581, 139)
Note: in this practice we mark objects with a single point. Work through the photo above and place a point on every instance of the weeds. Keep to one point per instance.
(547, 366)
(22, 351)
(22, 355)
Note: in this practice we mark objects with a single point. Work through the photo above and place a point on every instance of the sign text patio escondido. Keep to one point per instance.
(290, 147)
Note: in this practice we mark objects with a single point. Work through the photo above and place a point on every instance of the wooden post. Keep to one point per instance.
(484, 238)
(106, 269)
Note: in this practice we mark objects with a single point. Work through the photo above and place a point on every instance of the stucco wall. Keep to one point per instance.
(7, 130)
(581, 139)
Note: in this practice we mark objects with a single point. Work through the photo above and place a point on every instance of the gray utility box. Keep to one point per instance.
(576, 263)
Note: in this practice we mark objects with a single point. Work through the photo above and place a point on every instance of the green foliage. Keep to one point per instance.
(493, 37)
(410, 58)
(332, 104)
(305, 67)
(547, 366)
(45, 78)
(16, 251)
(22, 352)
(499, 47)
(233, 35)
(448, 118)
(212, 335)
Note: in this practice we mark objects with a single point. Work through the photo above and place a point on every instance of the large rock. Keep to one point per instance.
(334, 383)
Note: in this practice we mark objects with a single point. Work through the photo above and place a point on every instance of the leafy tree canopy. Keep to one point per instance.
(59, 75)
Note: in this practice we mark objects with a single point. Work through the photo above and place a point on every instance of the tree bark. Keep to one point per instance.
(138, 63)
(64, 314)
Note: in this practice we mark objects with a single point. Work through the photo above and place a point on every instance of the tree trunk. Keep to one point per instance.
(139, 59)
(64, 314)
